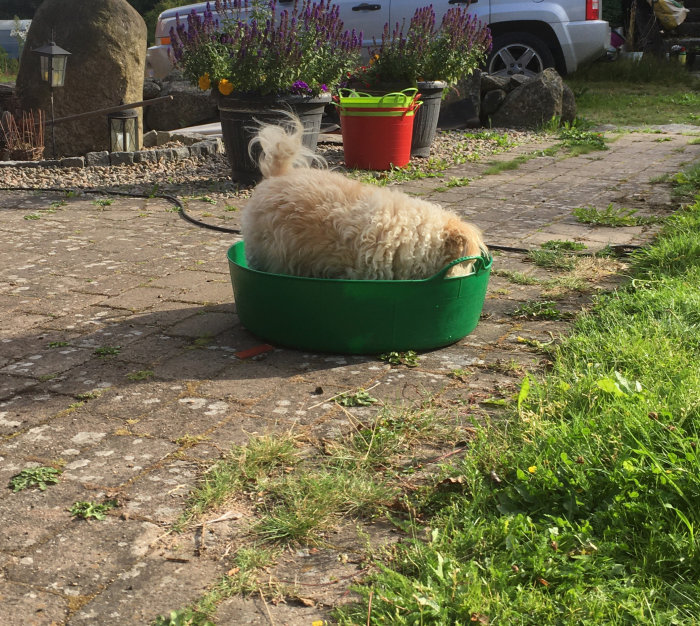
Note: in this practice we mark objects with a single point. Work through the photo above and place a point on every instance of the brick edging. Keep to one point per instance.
(205, 147)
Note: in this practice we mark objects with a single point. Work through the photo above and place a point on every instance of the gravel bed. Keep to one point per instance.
(211, 175)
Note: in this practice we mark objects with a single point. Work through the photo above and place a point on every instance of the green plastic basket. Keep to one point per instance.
(354, 99)
(358, 316)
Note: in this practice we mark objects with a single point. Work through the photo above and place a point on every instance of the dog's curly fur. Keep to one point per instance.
(312, 222)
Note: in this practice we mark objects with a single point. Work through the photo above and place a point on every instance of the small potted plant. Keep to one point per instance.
(259, 59)
(427, 57)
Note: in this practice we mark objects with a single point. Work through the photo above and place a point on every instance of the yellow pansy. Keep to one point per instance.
(532, 469)
(225, 87)
(204, 82)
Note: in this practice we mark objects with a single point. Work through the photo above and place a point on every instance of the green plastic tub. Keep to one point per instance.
(350, 99)
(358, 316)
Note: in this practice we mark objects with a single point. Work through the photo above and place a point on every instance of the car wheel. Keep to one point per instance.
(518, 53)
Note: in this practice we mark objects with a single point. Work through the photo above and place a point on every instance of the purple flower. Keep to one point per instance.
(301, 88)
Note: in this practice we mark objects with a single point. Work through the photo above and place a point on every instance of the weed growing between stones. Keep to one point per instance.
(539, 310)
(105, 351)
(87, 510)
(612, 216)
(552, 259)
(39, 477)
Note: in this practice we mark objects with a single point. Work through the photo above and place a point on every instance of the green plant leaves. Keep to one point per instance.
(39, 477)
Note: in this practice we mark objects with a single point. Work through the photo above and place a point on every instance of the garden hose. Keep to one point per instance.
(172, 199)
(617, 249)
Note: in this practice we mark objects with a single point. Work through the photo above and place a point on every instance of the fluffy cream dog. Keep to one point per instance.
(306, 221)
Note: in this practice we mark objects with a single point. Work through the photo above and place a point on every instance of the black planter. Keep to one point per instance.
(426, 120)
(242, 115)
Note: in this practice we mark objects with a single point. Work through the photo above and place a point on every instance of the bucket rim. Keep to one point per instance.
(483, 263)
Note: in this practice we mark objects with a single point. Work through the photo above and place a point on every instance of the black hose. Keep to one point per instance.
(172, 199)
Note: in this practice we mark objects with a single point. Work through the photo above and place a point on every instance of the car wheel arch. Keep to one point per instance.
(539, 30)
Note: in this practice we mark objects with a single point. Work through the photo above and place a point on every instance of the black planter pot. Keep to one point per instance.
(426, 120)
(241, 116)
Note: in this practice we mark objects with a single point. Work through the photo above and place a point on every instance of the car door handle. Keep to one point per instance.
(367, 7)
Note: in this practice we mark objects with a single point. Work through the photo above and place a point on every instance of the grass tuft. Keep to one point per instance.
(612, 216)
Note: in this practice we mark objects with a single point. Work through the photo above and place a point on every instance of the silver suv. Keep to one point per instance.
(528, 35)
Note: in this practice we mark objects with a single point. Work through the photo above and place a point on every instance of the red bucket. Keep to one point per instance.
(376, 142)
(377, 132)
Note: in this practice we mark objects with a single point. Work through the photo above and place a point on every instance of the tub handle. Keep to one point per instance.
(479, 261)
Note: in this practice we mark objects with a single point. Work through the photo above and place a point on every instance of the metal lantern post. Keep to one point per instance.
(123, 130)
(53, 71)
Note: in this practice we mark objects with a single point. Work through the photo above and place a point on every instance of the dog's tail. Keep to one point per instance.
(281, 147)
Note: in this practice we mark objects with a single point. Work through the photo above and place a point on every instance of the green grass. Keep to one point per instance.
(140, 375)
(539, 310)
(552, 259)
(687, 182)
(627, 93)
(105, 351)
(245, 577)
(558, 244)
(496, 167)
(518, 278)
(612, 216)
(581, 505)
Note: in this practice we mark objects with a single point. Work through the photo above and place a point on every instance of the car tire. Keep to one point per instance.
(518, 53)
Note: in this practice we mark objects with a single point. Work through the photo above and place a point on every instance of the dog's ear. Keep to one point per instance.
(462, 239)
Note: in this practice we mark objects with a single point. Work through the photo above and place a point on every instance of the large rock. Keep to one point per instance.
(107, 42)
(532, 104)
(190, 106)
(462, 104)
(492, 82)
(568, 105)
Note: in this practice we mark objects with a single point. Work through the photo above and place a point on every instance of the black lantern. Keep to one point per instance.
(53, 71)
(53, 64)
(123, 131)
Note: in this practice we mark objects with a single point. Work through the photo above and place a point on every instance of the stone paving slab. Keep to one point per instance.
(122, 361)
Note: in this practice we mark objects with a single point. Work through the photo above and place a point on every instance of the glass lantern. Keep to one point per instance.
(123, 131)
(53, 64)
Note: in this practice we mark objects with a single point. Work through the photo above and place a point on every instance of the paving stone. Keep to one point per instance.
(194, 363)
(50, 506)
(197, 286)
(160, 496)
(205, 324)
(187, 416)
(149, 588)
(29, 409)
(23, 605)
(115, 461)
(15, 385)
(123, 403)
(85, 557)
